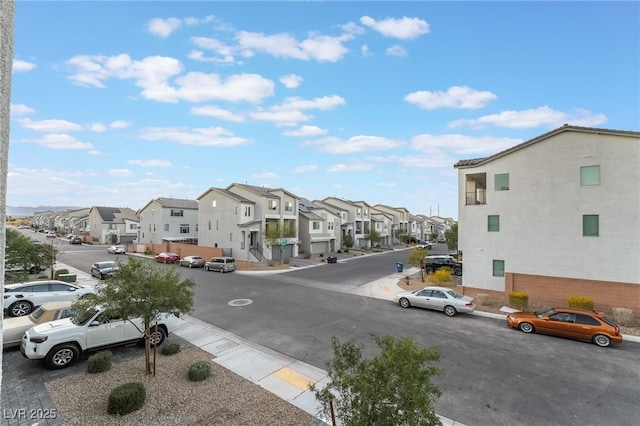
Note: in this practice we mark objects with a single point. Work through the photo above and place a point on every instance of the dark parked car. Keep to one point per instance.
(104, 270)
(433, 263)
(75, 240)
(167, 258)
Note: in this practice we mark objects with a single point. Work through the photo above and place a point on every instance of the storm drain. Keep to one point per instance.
(240, 302)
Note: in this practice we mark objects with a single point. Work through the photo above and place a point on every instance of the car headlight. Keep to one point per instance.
(38, 338)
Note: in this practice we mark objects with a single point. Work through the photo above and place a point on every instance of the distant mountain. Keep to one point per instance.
(29, 211)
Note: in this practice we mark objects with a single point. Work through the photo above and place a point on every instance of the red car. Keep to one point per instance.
(167, 258)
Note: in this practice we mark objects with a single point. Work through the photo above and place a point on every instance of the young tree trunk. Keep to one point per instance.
(147, 346)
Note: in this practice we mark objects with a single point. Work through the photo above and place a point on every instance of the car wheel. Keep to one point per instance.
(602, 340)
(61, 356)
(34, 270)
(404, 302)
(526, 327)
(457, 271)
(20, 308)
(450, 311)
(429, 269)
(157, 337)
(221, 270)
(103, 276)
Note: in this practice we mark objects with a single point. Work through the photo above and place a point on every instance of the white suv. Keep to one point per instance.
(21, 299)
(61, 342)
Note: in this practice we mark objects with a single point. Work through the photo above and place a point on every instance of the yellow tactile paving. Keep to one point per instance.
(294, 378)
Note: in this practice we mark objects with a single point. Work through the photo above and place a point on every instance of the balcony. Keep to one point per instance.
(479, 196)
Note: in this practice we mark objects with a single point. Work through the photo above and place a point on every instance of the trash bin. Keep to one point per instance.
(399, 266)
(332, 259)
(68, 278)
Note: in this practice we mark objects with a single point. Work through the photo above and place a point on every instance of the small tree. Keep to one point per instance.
(143, 290)
(451, 235)
(374, 237)
(416, 258)
(392, 388)
(348, 241)
(275, 232)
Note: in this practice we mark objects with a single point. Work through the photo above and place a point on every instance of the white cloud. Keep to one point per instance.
(364, 50)
(198, 55)
(120, 172)
(195, 21)
(224, 51)
(291, 81)
(163, 27)
(438, 145)
(289, 113)
(265, 175)
(457, 97)
(21, 109)
(396, 50)
(153, 73)
(213, 111)
(281, 118)
(97, 127)
(305, 169)
(306, 131)
(152, 162)
(119, 124)
(529, 118)
(404, 28)
(386, 184)
(22, 66)
(352, 28)
(210, 136)
(55, 126)
(334, 145)
(355, 167)
(61, 141)
(316, 47)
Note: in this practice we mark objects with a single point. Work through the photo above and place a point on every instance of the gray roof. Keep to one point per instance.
(179, 203)
(566, 128)
(116, 214)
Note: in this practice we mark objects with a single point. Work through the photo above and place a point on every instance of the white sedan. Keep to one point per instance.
(117, 250)
(13, 328)
(441, 299)
(20, 299)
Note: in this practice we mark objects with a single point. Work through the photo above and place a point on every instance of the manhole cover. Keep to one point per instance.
(240, 302)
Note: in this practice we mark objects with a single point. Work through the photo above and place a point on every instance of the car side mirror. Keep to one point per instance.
(94, 323)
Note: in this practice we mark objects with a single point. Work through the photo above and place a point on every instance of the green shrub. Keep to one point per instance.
(518, 300)
(126, 398)
(440, 275)
(60, 272)
(199, 370)
(581, 302)
(100, 362)
(170, 349)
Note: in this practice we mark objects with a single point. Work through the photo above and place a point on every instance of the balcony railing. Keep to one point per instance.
(479, 196)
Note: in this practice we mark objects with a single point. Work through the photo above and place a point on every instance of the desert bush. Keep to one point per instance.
(623, 316)
(518, 300)
(580, 302)
(271, 262)
(60, 272)
(126, 398)
(286, 261)
(441, 275)
(483, 299)
(199, 370)
(170, 349)
(100, 362)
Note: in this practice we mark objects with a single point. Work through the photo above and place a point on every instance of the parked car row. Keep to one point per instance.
(219, 263)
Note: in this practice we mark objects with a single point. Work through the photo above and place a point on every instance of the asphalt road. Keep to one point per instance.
(493, 375)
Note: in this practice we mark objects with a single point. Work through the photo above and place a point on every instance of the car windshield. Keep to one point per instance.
(108, 265)
(37, 314)
(454, 294)
(82, 317)
(609, 321)
(544, 313)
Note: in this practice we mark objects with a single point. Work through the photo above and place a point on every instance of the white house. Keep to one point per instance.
(111, 225)
(555, 216)
(168, 219)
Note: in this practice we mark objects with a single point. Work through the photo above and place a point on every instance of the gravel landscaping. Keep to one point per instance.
(223, 399)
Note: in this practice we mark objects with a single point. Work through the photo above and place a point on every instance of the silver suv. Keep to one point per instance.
(221, 264)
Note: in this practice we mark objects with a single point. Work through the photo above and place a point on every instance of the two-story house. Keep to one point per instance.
(319, 229)
(113, 225)
(400, 224)
(555, 216)
(168, 219)
(358, 223)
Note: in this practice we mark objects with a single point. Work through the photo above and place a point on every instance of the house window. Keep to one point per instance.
(498, 268)
(217, 225)
(209, 224)
(112, 226)
(230, 236)
(184, 228)
(166, 227)
(288, 206)
(247, 211)
(154, 227)
(196, 227)
(502, 182)
(177, 213)
(237, 210)
(358, 211)
(273, 204)
(133, 226)
(316, 226)
(149, 227)
(366, 212)
(330, 226)
(589, 175)
(475, 189)
(590, 225)
(213, 203)
(493, 223)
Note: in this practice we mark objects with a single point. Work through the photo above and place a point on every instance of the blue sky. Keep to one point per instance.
(118, 103)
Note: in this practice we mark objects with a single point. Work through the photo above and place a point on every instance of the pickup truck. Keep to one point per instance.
(60, 343)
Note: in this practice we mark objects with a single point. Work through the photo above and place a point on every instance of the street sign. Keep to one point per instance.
(283, 242)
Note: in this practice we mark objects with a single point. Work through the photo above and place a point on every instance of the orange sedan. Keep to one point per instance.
(574, 323)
